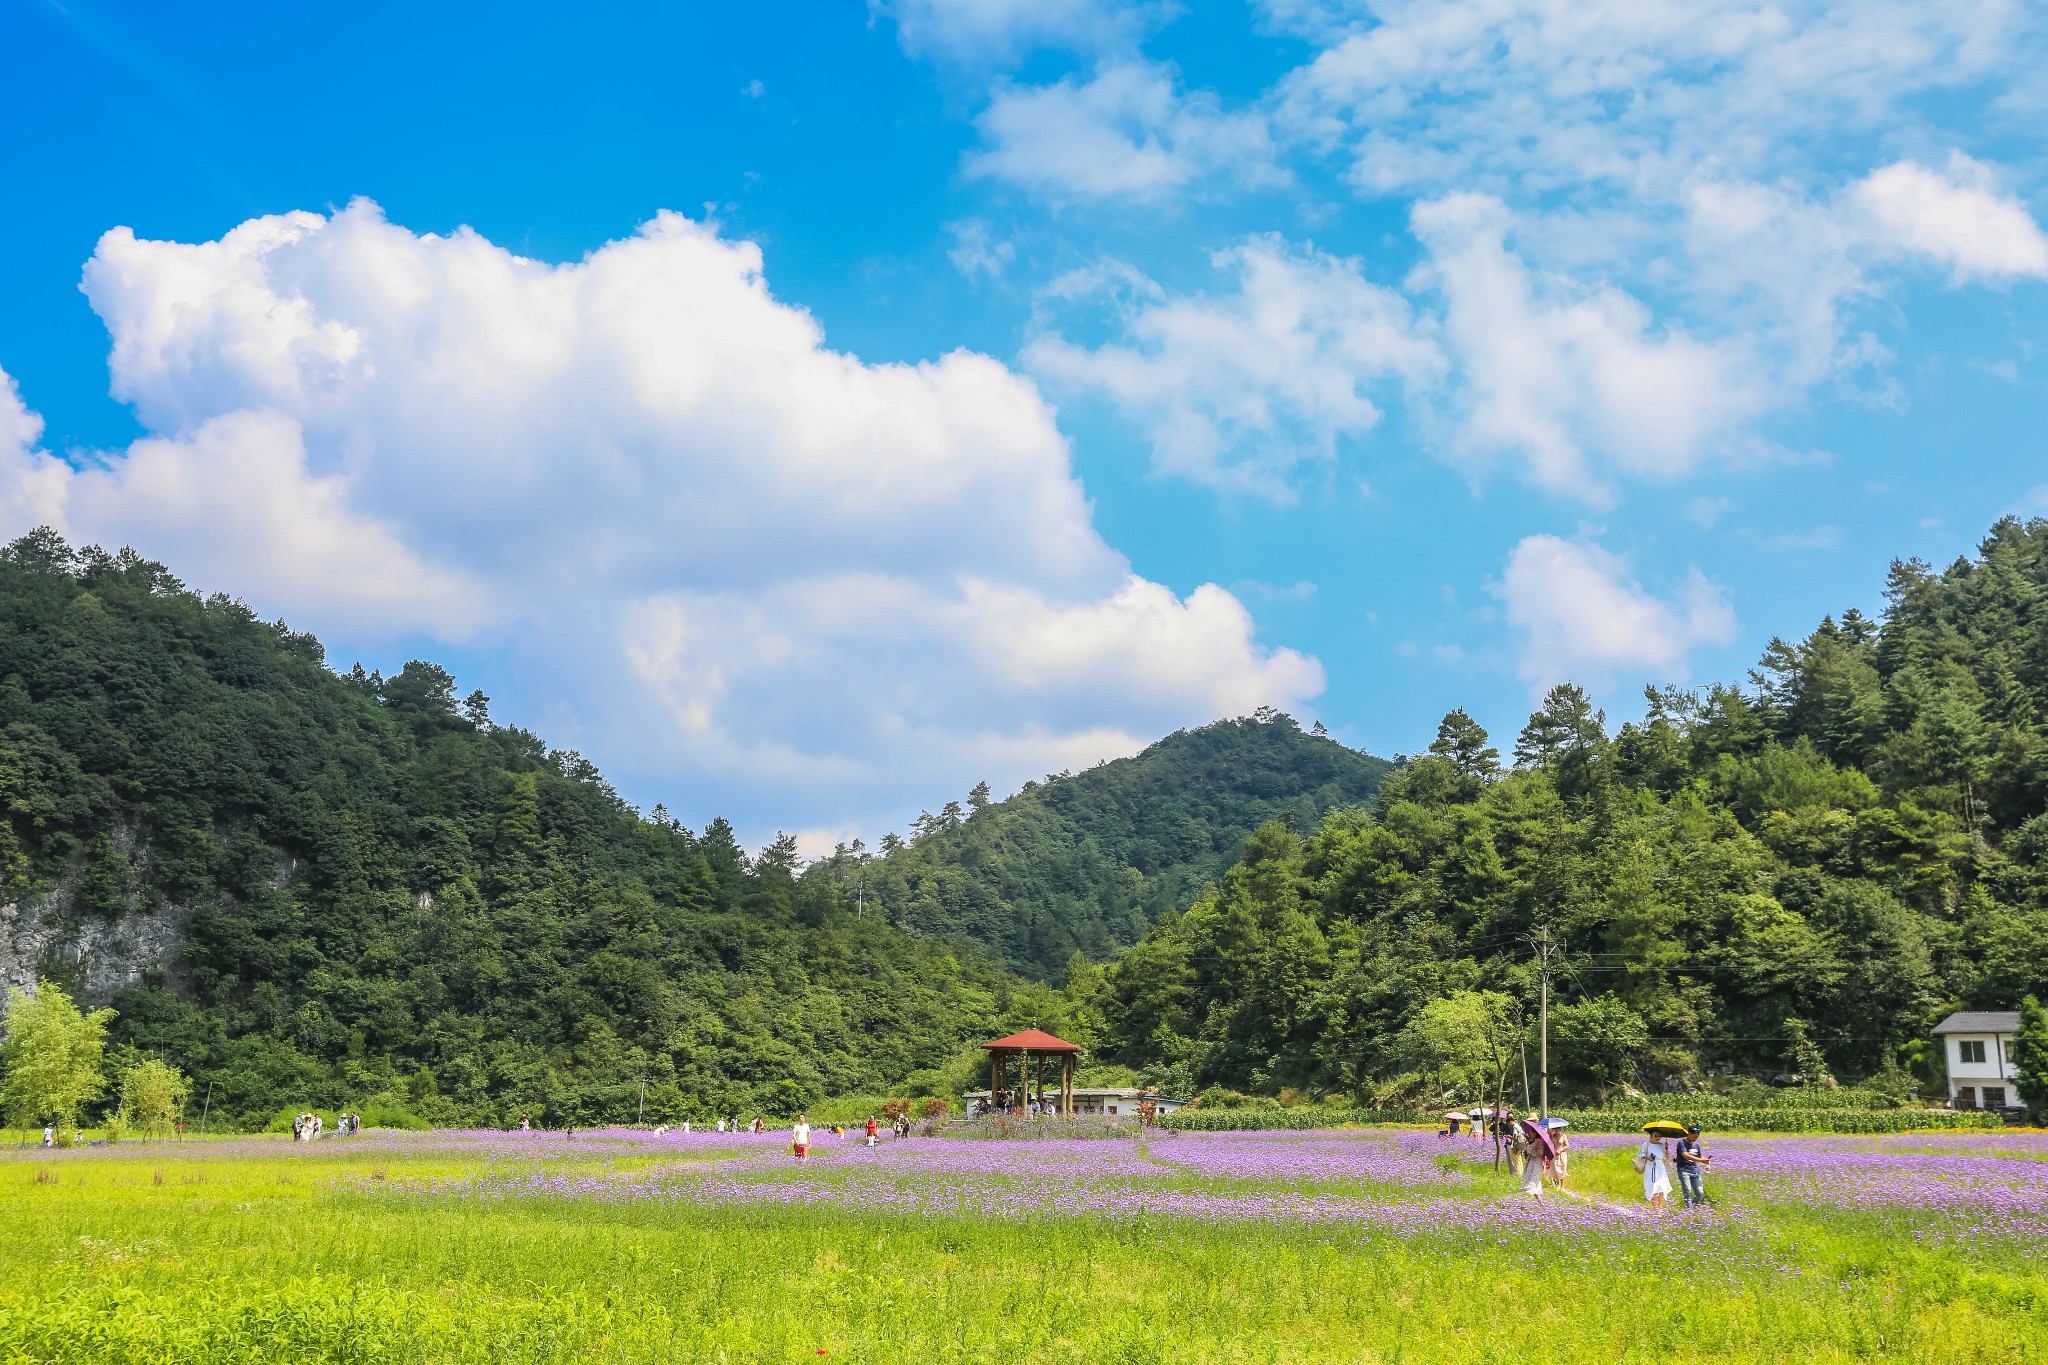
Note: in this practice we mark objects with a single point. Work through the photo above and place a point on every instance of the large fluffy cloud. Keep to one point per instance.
(1582, 616)
(738, 555)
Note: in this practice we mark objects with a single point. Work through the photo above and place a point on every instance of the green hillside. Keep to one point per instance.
(1085, 863)
(1797, 876)
(304, 887)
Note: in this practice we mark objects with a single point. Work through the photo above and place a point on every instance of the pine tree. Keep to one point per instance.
(1566, 725)
(1462, 740)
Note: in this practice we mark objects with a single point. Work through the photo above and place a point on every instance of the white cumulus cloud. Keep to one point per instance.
(1236, 391)
(1127, 132)
(1577, 381)
(1583, 617)
(733, 555)
(992, 32)
(1958, 219)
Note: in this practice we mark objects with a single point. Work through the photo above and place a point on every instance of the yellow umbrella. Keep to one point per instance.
(1666, 1128)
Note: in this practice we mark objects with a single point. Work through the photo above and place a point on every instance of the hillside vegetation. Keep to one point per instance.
(1796, 877)
(369, 891)
(1086, 863)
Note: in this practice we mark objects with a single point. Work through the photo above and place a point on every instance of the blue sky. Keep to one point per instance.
(806, 416)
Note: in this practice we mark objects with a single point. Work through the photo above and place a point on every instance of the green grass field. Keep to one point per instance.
(256, 1249)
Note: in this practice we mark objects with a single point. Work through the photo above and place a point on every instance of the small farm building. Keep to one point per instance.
(1978, 1047)
(1100, 1101)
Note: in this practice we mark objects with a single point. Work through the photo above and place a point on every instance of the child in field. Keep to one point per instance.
(873, 1129)
(800, 1133)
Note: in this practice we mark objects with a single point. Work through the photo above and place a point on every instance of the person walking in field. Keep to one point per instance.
(1530, 1152)
(1693, 1165)
(1649, 1159)
(873, 1130)
(800, 1134)
(1560, 1165)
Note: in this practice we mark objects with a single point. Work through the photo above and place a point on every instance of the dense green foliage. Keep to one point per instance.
(384, 898)
(50, 1061)
(1793, 878)
(1086, 863)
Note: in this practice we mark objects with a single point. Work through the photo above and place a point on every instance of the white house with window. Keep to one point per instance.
(1978, 1044)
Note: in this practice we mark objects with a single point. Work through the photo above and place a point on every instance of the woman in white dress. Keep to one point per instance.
(1532, 1166)
(1656, 1172)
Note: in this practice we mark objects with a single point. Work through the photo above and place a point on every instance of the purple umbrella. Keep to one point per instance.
(1539, 1135)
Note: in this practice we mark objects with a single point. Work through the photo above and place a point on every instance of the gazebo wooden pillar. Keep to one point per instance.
(1030, 1050)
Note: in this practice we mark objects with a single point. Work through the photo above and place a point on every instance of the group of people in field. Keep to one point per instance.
(308, 1126)
(1537, 1163)
(1015, 1104)
(870, 1132)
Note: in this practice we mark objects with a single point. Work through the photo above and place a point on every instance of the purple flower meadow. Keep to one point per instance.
(1385, 1181)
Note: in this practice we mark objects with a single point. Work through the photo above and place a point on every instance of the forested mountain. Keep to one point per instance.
(304, 887)
(1085, 863)
(1795, 876)
(309, 887)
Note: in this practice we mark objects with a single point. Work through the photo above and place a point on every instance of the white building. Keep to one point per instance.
(1978, 1046)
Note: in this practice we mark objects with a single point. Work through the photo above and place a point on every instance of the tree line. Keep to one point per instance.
(1792, 879)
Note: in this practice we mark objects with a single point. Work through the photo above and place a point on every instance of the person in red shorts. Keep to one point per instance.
(800, 1133)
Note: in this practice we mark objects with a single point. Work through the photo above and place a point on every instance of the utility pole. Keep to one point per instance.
(642, 1115)
(1546, 947)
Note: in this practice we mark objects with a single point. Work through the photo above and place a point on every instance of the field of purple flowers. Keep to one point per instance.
(1990, 1190)
(1375, 1244)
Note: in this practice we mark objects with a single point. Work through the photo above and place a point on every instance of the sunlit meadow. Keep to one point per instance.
(1368, 1245)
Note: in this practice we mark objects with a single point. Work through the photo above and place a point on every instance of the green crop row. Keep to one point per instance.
(1768, 1120)
(1253, 1120)
(1772, 1120)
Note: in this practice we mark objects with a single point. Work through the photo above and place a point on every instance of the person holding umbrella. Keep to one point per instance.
(1651, 1162)
(1533, 1142)
(1561, 1151)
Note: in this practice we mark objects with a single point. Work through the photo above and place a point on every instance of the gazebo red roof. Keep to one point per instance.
(1034, 1040)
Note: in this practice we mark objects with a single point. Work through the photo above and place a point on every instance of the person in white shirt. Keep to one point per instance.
(800, 1133)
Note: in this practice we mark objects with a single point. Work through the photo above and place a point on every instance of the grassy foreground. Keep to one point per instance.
(260, 1251)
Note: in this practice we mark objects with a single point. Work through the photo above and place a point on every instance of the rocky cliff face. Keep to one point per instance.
(92, 954)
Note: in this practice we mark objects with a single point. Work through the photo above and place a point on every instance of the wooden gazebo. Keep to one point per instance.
(1029, 1051)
